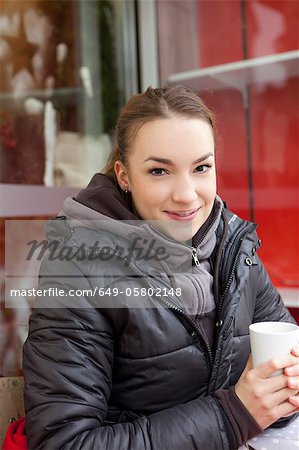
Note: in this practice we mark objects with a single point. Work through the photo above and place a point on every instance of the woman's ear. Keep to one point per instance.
(121, 175)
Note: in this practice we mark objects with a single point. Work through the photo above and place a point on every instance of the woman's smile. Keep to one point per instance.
(183, 215)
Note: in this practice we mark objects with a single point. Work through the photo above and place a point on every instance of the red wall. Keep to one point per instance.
(270, 27)
(219, 26)
(275, 142)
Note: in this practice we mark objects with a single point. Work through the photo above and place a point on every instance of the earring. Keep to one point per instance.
(126, 190)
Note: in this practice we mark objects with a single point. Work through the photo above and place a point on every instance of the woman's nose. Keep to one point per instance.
(184, 191)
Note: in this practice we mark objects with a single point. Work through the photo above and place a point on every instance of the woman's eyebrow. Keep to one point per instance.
(170, 163)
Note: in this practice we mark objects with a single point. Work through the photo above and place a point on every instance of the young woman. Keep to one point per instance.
(145, 343)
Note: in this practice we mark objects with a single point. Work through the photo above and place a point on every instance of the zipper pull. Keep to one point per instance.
(195, 259)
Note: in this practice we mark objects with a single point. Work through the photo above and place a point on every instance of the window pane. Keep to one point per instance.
(242, 58)
(64, 76)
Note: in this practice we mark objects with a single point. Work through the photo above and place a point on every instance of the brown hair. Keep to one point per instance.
(160, 103)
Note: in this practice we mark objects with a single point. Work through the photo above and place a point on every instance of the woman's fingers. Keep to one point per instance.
(282, 395)
(293, 382)
(285, 409)
(294, 411)
(267, 368)
(294, 400)
(295, 350)
(292, 370)
(273, 384)
(269, 398)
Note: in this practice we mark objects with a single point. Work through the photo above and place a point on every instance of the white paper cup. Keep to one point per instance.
(270, 339)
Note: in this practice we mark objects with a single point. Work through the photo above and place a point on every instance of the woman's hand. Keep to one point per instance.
(292, 373)
(269, 399)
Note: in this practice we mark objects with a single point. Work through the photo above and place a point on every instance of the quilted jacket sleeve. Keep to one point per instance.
(68, 362)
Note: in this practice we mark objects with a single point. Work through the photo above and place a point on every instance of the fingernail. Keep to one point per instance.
(294, 399)
(293, 383)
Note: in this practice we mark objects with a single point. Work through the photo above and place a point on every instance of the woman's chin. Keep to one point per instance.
(179, 231)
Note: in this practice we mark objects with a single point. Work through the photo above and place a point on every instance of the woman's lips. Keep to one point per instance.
(182, 215)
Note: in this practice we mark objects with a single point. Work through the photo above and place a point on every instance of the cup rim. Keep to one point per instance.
(255, 327)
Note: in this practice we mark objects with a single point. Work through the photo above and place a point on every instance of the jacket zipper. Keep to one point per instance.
(236, 253)
(180, 312)
(175, 308)
(236, 245)
(197, 263)
(192, 248)
(207, 230)
(194, 256)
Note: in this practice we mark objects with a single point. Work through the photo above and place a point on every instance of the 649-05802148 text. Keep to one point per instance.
(96, 291)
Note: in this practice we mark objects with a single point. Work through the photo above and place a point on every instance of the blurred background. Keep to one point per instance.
(67, 67)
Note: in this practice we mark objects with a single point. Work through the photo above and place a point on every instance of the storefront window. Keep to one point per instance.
(242, 58)
(66, 69)
(61, 86)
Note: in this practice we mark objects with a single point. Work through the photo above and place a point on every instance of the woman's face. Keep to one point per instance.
(171, 174)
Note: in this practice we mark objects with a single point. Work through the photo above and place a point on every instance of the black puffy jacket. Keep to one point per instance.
(131, 378)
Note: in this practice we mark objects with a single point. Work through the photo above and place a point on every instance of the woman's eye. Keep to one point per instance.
(202, 168)
(157, 171)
